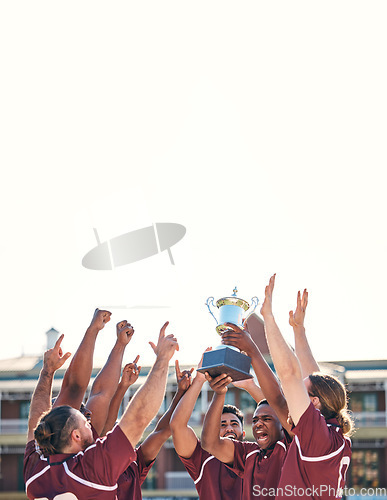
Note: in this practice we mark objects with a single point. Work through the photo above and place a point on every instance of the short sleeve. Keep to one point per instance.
(107, 459)
(143, 469)
(313, 434)
(194, 462)
(242, 451)
(31, 457)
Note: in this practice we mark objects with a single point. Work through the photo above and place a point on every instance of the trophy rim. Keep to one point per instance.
(232, 301)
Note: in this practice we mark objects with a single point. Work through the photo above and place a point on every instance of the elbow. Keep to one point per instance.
(289, 371)
(176, 421)
(173, 424)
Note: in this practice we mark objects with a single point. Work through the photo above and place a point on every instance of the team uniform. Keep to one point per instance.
(260, 469)
(212, 478)
(129, 483)
(90, 474)
(317, 460)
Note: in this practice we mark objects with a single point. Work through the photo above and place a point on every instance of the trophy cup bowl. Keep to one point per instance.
(228, 359)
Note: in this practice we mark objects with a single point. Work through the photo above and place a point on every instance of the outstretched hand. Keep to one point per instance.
(166, 345)
(54, 358)
(100, 318)
(219, 384)
(183, 378)
(266, 309)
(239, 338)
(297, 317)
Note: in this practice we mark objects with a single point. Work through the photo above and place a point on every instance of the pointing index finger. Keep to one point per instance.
(59, 341)
(162, 330)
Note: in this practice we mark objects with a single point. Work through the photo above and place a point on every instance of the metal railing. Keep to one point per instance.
(370, 419)
(13, 426)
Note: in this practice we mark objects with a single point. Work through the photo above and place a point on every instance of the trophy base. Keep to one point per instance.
(227, 360)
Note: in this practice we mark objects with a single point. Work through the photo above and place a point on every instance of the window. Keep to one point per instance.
(364, 401)
(364, 469)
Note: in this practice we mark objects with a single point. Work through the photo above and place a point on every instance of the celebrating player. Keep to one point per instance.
(259, 463)
(70, 461)
(212, 478)
(129, 483)
(319, 455)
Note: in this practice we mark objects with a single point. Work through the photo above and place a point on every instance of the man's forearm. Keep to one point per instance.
(41, 400)
(77, 376)
(114, 408)
(221, 448)
(186, 405)
(163, 423)
(266, 379)
(211, 424)
(146, 402)
(153, 443)
(107, 379)
(304, 352)
(285, 361)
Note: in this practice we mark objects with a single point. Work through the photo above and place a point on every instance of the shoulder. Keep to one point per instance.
(33, 458)
(246, 448)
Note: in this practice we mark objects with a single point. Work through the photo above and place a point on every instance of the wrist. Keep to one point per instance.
(199, 379)
(93, 329)
(47, 372)
(120, 345)
(124, 386)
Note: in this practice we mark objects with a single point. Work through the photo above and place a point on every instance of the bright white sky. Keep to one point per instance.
(259, 126)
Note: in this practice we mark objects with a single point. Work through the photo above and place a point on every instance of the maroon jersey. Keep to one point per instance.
(260, 469)
(212, 478)
(317, 460)
(90, 474)
(129, 483)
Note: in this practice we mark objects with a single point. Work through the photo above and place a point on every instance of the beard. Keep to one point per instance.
(87, 442)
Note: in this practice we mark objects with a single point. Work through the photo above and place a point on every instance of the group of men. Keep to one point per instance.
(300, 426)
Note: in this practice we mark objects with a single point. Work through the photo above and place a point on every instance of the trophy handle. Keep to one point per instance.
(254, 302)
(210, 302)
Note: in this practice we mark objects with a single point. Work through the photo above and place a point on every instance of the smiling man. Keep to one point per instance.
(212, 478)
(259, 463)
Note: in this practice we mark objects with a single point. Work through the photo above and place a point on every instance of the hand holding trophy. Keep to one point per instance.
(228, 359)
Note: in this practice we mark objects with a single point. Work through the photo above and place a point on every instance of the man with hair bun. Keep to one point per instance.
(69, 461)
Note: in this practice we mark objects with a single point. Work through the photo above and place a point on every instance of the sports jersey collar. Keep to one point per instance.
(59, 458)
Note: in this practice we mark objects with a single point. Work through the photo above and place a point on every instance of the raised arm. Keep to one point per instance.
(303, 351)
(221, 448)
(129, 376)
(267, 380)
(77, 376)
(285, 361)
(53, 359)
(153, 443)
(251, 387)
(146, 402)
(105, 384)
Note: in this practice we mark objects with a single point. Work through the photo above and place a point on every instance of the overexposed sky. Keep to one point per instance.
(261, 127)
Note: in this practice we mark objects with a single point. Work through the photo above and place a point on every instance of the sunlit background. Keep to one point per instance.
(260, 127)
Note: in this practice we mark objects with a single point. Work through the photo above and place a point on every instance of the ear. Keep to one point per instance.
(76, 436)
(243, 434)
(316, 402)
